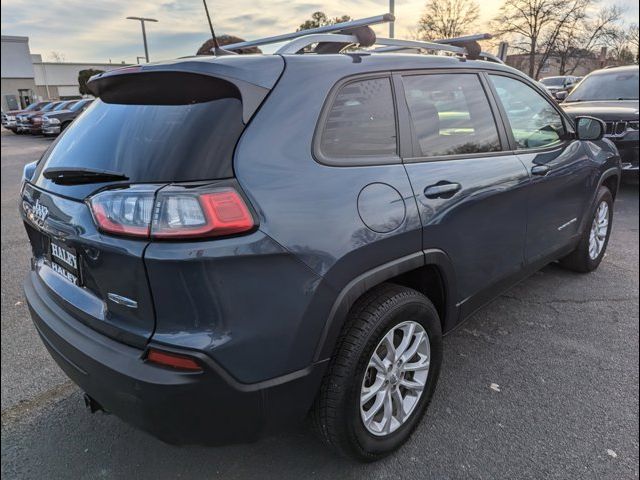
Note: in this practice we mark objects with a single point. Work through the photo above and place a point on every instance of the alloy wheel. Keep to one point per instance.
(599, 230)
(395, 378)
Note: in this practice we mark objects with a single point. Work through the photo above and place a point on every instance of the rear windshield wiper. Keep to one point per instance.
(77, 175)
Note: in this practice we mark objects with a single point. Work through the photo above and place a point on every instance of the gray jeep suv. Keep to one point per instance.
(225, 245)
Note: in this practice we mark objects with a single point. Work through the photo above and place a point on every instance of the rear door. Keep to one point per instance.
(562, 170)
(469, 188)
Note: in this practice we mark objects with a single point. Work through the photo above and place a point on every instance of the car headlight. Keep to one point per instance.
(11, 118)
(52, 121)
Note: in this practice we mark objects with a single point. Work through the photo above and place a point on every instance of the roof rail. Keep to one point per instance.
(348, 33)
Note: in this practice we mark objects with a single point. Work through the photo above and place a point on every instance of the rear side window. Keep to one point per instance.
(534, 122)
(360, 123)
(451, 115)
(153, 143)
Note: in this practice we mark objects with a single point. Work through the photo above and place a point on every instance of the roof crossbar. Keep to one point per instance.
(347, 33)
(363, 22)
(297, 44)
(436, 45)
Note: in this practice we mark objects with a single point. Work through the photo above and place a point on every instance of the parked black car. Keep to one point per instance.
(611, 95)
(222, 245)
(53, 123)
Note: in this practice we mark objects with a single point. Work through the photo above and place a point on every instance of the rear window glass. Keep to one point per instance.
(361, 122)
(152, 143)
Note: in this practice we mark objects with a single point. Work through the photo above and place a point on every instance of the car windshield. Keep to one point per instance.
(553, 81)
(607, 86)
(78, 105)
(48, 108)
(33, 106)
(62, 106)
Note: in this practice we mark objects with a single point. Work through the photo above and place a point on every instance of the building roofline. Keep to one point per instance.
(15, 38)
(97, 64)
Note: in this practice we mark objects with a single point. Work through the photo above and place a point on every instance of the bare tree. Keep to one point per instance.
(621, 47)
(536, 26)
(447, 18)
(577, 41)
(57, 56)
(634, 43)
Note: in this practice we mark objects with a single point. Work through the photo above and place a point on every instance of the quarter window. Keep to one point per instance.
(451, 114)
(361, 122)
(534, 122)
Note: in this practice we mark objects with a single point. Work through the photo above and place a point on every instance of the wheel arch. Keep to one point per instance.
(430, 272)
(611, 179)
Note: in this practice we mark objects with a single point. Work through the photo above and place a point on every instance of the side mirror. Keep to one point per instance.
(590, 128)
(561, 96)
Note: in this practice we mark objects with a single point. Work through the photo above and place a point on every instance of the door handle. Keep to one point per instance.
(540, 170)
(442, 190)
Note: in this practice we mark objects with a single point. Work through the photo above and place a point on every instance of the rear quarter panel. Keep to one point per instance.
(309, 208)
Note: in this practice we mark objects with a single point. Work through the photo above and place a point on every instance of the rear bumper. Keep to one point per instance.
(181, 408)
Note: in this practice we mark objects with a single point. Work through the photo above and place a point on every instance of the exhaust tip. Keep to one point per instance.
(92, 404)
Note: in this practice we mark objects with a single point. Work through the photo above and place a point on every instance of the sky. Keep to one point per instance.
(97, 31)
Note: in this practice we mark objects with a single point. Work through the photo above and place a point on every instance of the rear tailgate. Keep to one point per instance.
(154, 125)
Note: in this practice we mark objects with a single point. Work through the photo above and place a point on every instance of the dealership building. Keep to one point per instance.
(26, 78)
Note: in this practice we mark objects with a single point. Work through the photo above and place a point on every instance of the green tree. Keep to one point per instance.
(207, 47)
(320, 19)
(83, 78)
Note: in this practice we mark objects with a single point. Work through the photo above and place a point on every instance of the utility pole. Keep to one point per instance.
(144, 32)
(392, 7)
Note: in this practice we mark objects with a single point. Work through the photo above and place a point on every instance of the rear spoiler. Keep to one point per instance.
(191, 80)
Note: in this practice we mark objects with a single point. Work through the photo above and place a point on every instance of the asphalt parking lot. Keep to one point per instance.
(561, 350)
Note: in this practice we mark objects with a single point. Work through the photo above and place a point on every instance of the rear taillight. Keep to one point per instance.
(124, 212)
(212, 214)
(174, 213)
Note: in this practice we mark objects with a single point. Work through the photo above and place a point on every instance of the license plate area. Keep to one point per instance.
(64, 260)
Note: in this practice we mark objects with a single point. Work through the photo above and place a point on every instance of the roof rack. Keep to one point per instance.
(334, 38)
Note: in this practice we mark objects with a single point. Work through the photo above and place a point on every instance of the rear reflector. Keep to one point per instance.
(172, 360)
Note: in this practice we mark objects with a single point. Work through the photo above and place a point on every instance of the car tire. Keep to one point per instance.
(387, 311)
(64, 126)
(587, 255)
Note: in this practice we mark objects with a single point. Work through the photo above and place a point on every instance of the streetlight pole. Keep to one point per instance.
(392, 5)
(144, 32)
